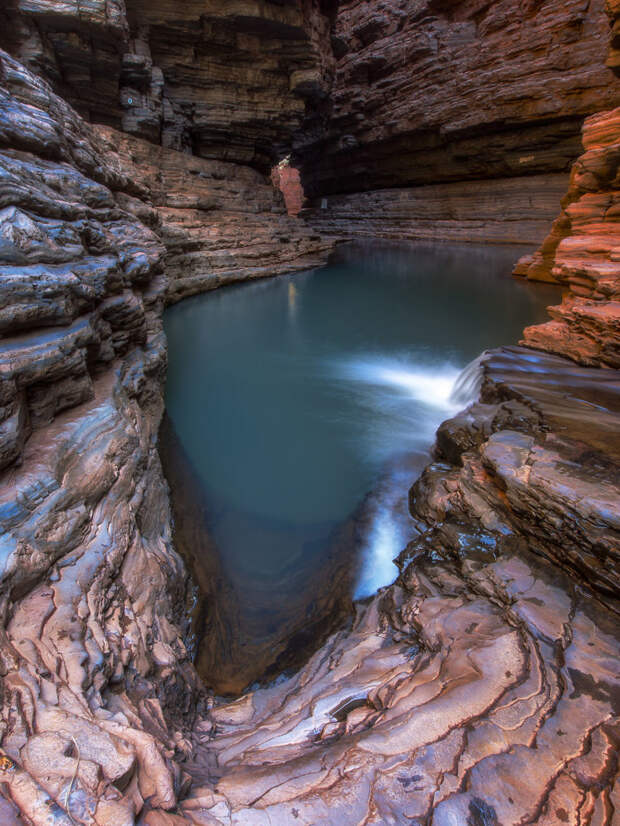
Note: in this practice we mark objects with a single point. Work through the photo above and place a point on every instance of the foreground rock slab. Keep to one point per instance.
(482, 688)
(98, 685)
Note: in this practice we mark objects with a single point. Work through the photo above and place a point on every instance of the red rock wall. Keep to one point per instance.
(582, 251)
(508, 210)
(435, 91)
(482, 679)
(94, 648)
(219, 222)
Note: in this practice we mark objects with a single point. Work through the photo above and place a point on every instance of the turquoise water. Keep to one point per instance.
(295, 397)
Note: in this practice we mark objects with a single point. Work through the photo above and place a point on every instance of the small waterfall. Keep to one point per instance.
(431, 386)
(407, 403)
(466, 388)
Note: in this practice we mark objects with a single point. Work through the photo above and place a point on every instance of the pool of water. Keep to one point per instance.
(299, 399)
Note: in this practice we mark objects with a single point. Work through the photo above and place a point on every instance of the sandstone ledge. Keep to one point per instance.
(506, 210)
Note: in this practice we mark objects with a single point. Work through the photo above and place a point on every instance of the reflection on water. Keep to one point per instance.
(296, 398)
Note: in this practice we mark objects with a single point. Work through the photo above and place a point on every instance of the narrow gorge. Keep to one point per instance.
(146, 678)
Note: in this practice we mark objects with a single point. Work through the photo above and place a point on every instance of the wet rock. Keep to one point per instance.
(82, 362)
(539, 460)
(482, 724)
(481, 687)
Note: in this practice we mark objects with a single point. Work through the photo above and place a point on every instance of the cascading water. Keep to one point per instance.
(408, 403)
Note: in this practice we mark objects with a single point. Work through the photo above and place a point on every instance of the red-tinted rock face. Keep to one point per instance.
(583, 252)
(286, 179)
(429, 91)
(97, 678)
(89, 572)
(220, 222)
(479, 689)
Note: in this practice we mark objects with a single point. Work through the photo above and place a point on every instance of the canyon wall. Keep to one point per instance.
(96, 653)
(582, 252)
(427, 95)
(99, 229)
(507, 210)
(444, 90)
(225, 80)
(480, 688)
(219, 222)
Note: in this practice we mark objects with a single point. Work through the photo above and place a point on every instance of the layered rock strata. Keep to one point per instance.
(454, 120)
(582, 252)
(224, 80)
(93, 595)
(434, 91)
(508, 210)
(98, 685)
(220, 222)
(481, 688)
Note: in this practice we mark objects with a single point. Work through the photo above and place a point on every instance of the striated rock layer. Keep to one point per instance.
(98, 686)
(482, 687)
(220, 222)
(93, 595)
(427, 91)
(583, 252)
(507, 210)
(224, 80)
(455, 120)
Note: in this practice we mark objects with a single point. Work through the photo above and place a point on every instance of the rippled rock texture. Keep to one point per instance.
(472, 692)
(482, 687)
(97, 679)
(93, 595)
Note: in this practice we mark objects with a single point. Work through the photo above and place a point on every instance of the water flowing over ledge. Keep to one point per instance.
(395, 389)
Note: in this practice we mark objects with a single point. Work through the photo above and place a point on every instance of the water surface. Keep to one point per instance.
(298, 399)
